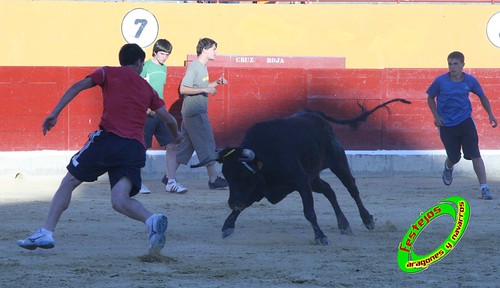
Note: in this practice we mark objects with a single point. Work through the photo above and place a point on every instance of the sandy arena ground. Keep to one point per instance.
(271, 247)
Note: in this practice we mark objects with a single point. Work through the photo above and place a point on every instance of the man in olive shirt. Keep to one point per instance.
(196, 128)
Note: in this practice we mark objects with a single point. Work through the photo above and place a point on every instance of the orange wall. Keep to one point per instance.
(29, 94)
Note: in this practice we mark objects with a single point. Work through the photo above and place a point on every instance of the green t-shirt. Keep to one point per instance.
(156, 75)
(196, 77)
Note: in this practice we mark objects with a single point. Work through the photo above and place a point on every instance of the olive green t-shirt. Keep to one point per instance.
(196, 77)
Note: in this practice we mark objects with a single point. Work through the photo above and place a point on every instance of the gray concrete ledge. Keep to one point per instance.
(363, 164)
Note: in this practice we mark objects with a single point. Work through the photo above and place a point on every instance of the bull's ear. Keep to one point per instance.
(259, 165)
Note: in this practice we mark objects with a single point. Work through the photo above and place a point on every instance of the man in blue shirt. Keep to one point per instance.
(448, 100)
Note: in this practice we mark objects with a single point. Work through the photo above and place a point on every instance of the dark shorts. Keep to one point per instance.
(460, 137)
(155, 126)
(108, 152)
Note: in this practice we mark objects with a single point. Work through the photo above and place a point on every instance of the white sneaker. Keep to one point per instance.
(144, 189)
(39, 239)
(486, 194)
(157, 225)
(174, 187)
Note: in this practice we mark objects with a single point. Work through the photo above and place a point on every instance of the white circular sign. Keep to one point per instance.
(493, 29)
(139, 26)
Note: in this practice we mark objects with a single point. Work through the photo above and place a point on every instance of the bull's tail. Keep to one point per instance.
(354, 122)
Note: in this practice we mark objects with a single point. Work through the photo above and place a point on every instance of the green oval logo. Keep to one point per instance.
(458, 208)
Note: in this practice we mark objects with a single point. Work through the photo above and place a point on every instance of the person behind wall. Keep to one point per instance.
(448, 100)
(117, 148)
(196, 128)
(155, 72)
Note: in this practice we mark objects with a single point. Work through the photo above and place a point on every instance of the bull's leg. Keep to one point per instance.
(310, 214)
(320, 186)
(228, 227)
(342, 170)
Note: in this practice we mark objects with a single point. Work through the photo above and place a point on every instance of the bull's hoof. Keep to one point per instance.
(344, 226)
(323, 241)
(370, 224)
(346, 231)
(227, 232)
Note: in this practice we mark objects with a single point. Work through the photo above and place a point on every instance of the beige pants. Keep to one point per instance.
(198, 136)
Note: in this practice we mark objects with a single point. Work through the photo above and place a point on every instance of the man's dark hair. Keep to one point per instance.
(457, 55)
(205, 43)
(130, 53)
(162, 45)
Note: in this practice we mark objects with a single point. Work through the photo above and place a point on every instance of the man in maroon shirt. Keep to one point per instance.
(117, 148)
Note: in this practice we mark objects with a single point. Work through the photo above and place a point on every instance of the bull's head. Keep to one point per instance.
(241, 170)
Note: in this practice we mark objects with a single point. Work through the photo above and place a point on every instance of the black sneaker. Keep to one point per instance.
(164, 180)
(219, 183)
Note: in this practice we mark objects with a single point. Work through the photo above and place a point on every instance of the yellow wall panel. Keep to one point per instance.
(45, 33)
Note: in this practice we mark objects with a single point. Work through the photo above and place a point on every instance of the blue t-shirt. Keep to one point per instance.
(453, 103)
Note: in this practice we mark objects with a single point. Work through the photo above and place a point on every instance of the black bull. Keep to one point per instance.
(281, 156)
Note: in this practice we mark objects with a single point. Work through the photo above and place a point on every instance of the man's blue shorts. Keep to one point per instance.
(108, 152)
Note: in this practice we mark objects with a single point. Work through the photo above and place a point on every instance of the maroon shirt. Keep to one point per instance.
(126, 98)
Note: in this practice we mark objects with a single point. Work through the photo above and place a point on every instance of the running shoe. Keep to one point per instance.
(219, 183)
(157, 225)
(486, 194)
(144, 189)
(164, 180)
(39, 239)
(447, 175)
(174, 187)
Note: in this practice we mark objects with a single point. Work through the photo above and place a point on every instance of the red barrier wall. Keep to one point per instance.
(28, 94)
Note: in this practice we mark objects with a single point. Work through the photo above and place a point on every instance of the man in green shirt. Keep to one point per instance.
(155, 72)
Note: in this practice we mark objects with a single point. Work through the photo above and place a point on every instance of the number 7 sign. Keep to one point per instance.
(139, 26)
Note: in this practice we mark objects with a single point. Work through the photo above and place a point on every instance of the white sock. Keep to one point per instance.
(45, 231)
(485, 185)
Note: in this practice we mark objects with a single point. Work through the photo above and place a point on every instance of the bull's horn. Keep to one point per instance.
(214, 157)
(249, 155)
